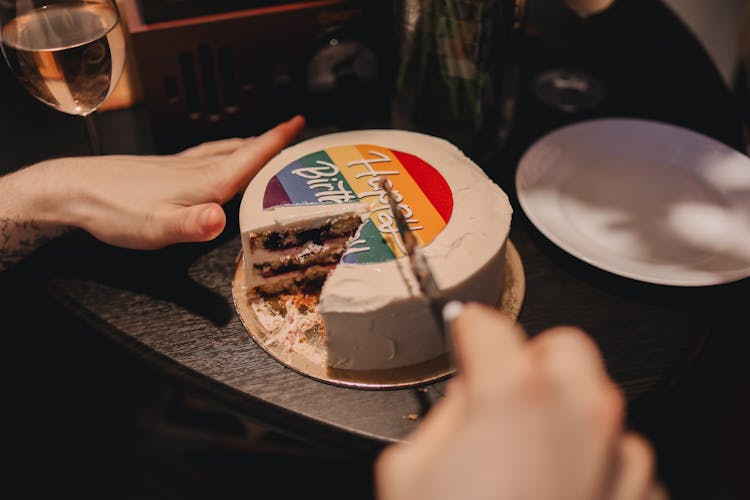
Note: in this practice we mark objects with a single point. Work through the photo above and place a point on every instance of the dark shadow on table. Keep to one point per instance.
(162, 275)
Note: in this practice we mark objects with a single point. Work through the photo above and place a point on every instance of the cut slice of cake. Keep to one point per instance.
(299, 246)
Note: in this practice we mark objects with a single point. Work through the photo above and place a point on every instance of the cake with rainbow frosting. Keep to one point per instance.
(316, 221)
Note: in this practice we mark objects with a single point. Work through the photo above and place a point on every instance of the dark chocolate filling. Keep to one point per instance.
(280, 240)
(310, 283)
(272, 269)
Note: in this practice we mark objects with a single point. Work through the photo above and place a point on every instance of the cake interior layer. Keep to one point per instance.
(273, 262)
(290, 237)
(309, 279)
(297, 257)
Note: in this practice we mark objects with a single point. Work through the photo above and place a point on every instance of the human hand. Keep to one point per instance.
(148, 202)
(536, 419)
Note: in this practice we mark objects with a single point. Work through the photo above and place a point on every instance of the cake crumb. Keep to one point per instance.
(412, 416)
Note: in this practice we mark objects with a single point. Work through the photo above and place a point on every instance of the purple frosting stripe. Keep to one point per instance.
(275, 194)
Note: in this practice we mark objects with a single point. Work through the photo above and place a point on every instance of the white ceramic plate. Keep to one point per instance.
(641, 199)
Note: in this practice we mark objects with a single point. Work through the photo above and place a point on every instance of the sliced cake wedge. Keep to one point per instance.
(298, 245)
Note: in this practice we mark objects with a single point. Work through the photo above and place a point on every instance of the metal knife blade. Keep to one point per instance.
(418, 262)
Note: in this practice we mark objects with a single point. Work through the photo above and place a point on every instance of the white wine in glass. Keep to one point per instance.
(569, 89)
(68, 54)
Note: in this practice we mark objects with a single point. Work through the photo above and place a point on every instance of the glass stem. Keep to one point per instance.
(95, 147)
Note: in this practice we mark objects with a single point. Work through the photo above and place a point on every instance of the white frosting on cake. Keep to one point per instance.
(374, 313)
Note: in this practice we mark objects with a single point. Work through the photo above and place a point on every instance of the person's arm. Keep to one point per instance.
(140, 202)
(20, 234)
(532, 419)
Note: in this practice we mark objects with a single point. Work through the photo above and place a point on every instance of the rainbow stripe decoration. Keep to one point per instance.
(349, 174)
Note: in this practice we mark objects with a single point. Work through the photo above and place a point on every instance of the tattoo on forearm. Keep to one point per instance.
(20, 238)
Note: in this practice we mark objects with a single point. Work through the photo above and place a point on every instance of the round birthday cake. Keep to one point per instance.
(316, 222)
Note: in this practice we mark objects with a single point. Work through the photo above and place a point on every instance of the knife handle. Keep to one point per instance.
(449, 312)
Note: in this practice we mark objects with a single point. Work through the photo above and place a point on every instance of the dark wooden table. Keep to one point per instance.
(173, 308)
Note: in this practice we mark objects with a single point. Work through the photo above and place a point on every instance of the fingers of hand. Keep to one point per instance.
(211, 222)
(442, 422)
(395, 473)
(571, 362)
(236, 171)
(405, 466)
(214, 148)
(633, 475)
(486, 344)
(588, 406)
(187, 224)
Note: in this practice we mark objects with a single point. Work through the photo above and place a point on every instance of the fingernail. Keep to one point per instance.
(452, 310)
(209, 223)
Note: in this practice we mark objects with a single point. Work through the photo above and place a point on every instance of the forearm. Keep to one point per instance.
(28, 215)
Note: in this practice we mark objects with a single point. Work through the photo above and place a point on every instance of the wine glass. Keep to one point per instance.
(69, 54)
(570, 89)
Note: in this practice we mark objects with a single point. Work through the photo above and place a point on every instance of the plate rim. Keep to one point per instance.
(717, 278)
